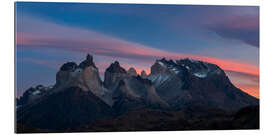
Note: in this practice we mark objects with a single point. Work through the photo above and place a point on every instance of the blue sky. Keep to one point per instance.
(49, 34)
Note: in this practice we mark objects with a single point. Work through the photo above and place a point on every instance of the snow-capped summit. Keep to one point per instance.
(163, 70)
(200, 69)
(33, 93)
(171, 85)
(187, 82)
(163, 65)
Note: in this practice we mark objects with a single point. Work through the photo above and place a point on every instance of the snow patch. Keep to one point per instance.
(201, 75)
(49, 87)
(175, 70)
(160, 63)
(36, 92)
(158, 79)
(193, 61)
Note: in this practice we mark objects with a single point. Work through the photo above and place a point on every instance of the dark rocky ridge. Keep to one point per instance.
(113, 74)
(132, 72)
(32, 94)
(65, 109)
(190, 82)
(176, 94)
(69, 66)
(88, 62)
(136, 93)
(116, 68)
(143, 74)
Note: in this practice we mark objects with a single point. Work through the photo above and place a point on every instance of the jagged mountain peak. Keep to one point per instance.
(167, 62)
(33, 93)
(132, 72)
(72, 66)
(67, 108)
(85, 76)
(87, 62)
(165, 67)
(116, 68)
(199, 68)
(89, 57)
(171, 85)
(185, 81)
(69, 66)
(143, 74)
(113, 74)
(196, 64)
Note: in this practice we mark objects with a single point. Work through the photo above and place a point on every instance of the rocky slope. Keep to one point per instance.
(177, 93)
(85, 76)
(187, 82)
(65, 109)
(130, 91)
(196, 118)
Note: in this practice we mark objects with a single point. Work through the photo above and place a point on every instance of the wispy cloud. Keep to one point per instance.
(104, 45)
(251, 89)
(37, 33)
(244, 28)
(251, 77)
(246, 82)
(48, 63)
(108, 46)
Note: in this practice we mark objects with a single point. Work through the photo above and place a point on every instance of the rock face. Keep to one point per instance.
(88, 62)
(32, 94)
(189, 82)
(132, 72)
(143, 74)
(180, 92)
(65, 109)
(85, 76)
(135, 93)
(113, 74)
(71, 73)
(130, 91)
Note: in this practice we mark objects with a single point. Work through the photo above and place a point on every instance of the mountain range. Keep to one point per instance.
(182, 94)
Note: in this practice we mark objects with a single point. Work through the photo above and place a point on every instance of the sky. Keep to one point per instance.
(50, 34)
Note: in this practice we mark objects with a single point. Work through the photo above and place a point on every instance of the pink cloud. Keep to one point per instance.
(246, 82)
(88, 41)
(244, 28)
(249, 88)
(48, 63)
(108, 46)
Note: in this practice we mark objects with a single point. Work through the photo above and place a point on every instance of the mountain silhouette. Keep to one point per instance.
(176, 92)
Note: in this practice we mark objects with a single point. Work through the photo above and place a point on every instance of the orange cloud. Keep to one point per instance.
(103, 45)
(108, 46)
(252, 90)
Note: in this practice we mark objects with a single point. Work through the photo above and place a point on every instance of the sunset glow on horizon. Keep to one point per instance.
(50, 34)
